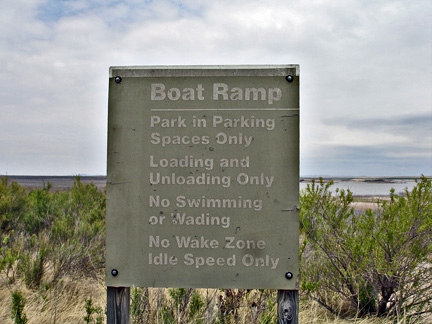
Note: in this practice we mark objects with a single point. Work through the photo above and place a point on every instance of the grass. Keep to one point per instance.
(65, 303)
(70, 226)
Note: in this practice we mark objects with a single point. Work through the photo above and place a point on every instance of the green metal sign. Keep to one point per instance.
(203, 177)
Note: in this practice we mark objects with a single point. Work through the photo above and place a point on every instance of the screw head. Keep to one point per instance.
(117, 79)
(289, 275)
(289, 78)
(114, 272)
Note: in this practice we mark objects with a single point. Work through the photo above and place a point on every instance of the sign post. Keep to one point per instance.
(203, 178)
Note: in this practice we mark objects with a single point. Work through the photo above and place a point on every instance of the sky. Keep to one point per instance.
(365, 71)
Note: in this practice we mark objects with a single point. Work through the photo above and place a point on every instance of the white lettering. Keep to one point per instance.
(158, 92)
(157, 242)
(232, 203)
(177, 122)
(249, 260)
(221, 91)
(203, 220)
(155, 201)
(185, 242)
(240, 139)
(232, 243)
(244, 122)
(198, 262)
(185, 162)
(261, 180)
(158, 139)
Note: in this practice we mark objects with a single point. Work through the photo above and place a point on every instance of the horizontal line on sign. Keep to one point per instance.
(227, 109)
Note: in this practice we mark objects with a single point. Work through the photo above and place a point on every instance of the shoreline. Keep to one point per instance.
(363, 179)
(57, 182)
(66, 182)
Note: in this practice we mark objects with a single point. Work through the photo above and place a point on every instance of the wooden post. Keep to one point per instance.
(288, 306)
(118, 304)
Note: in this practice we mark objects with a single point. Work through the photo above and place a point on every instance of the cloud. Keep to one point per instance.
(381, 160)
(364, 65)
(396, 145)
(412, 129)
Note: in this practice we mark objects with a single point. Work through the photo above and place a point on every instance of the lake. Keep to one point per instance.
(365, 188)
(359, 187)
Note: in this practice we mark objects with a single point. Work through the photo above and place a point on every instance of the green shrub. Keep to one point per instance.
(18, 303)
(93, 311)
(376, 263)
(38, 214)
(140, 305)
(69, 225)
(31, 265)
(166, 312)
(8, 258)
(269, 315)
(12, 203)
(195, 306)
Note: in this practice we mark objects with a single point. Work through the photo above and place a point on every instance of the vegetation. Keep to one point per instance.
(49, 239)
(368, 267)
(90, 311)
(18, 303)
(374, 264)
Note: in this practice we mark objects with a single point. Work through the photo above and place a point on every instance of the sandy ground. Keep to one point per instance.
(362, 206)
(368, 202)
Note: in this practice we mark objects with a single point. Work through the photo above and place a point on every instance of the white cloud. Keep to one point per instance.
(359, 59)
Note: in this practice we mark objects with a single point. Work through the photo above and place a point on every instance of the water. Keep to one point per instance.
(362, 188)
(359, 188)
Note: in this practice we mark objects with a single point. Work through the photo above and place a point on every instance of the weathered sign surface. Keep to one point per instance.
(203, 177)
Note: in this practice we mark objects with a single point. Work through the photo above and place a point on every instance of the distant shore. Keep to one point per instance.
(362, 179)
(66, 182)
(56, 182)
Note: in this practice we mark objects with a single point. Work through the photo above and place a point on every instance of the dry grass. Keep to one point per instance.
(62, 304)
(312, 313)
(65, 304)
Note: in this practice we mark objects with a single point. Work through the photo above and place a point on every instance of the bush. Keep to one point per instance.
(196, 304)
(60, 230)
(32, 267)
(18, 303)
(92, 310)
(38, 213)
(8, 258)
(12, 204)
(376, 263)
(140, 306)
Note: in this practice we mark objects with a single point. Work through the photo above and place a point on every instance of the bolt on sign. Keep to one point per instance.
(203, 177)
